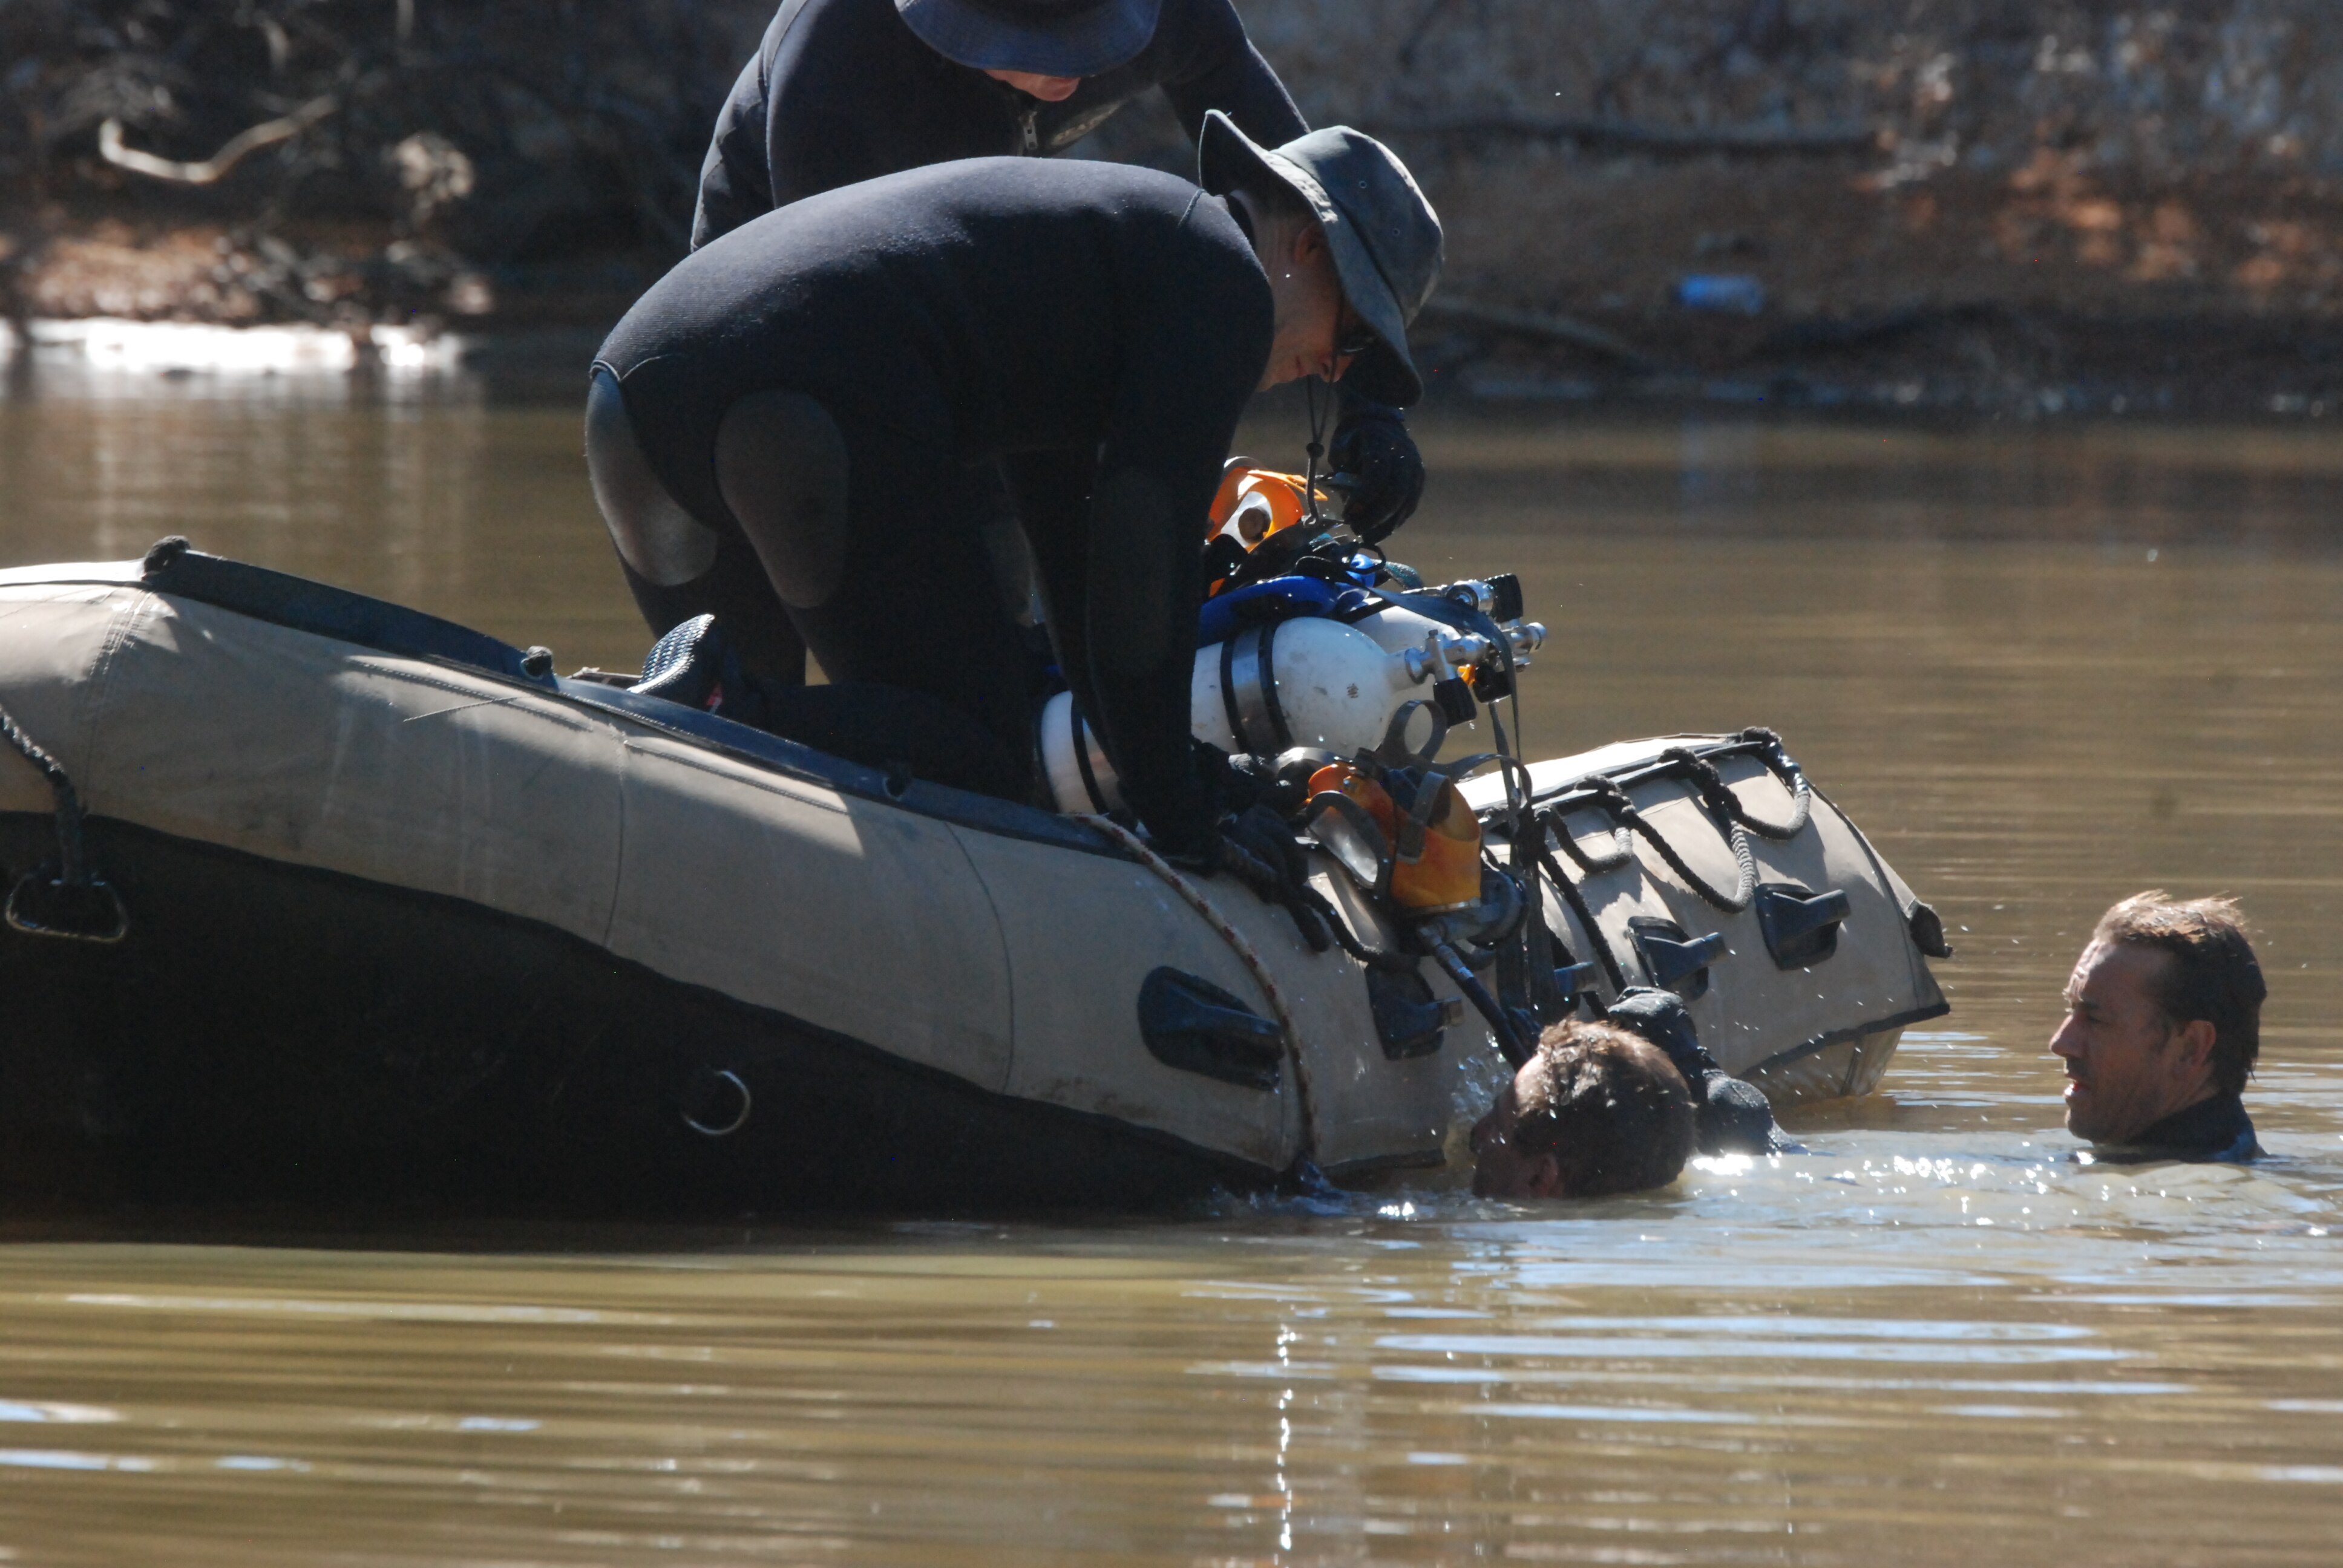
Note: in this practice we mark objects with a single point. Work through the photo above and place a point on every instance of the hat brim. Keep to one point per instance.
(1087, 44)
(1227, 158)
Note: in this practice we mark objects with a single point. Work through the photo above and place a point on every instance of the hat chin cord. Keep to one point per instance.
(1317, 452)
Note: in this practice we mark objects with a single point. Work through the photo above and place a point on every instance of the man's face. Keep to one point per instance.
(1313, 322)
(1500, 1170)
(2128, 1067)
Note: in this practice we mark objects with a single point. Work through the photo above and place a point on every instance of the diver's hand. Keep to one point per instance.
(1372, 444)
(1730, 1116)
(1256, 848)
(1661, 1017)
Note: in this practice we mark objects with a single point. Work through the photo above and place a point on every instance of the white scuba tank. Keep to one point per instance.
(1306, 682)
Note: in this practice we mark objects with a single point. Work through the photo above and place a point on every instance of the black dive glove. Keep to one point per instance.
(1259, 849)
(1373, 445)
(1731, 1117)
(1226, 827)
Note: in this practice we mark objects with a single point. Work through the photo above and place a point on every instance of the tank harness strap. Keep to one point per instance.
(1244, 951)
(1229, 694)
(63, 899)
(1249, 690)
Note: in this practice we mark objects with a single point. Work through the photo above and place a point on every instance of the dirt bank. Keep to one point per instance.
(2034, 208)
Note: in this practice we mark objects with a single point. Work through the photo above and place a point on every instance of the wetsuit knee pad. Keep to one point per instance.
(662, 544)
(781, 468)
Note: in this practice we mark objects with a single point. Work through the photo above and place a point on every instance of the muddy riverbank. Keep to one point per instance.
(1955, 205)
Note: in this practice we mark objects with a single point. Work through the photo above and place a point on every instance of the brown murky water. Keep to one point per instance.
(2043, 667)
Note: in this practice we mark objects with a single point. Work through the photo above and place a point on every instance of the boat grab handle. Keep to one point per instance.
(64, 897)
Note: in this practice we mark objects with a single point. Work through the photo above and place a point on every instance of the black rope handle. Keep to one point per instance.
(1624, 853)
(68, 809)
(1778, 762)
(1623, 810)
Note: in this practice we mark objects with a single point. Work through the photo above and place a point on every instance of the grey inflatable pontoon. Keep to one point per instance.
(398, 905)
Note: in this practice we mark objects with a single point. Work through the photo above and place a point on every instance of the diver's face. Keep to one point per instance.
(1313, 326)
(1500, 1169)
(2127, 1065)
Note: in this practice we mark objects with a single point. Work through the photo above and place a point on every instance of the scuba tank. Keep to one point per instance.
(1306, 682)
(1286, 662)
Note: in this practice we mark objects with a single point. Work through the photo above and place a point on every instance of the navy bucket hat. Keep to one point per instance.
(1384, 235)
(1040, 37)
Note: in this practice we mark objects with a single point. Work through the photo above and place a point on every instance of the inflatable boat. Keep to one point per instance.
(305, 887)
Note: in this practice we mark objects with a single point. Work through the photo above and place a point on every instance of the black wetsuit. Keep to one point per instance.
(1096, 330)
(842, 91)
(2211, 1130)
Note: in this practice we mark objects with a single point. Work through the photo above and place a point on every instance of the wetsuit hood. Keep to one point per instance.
(1383, 234)
(1042, 37)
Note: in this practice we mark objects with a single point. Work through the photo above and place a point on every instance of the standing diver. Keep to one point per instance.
(841, 91)
(801, 417)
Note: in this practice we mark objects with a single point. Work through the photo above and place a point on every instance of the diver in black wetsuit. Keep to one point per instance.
(847, 90)
(842, 91)
(792, 424)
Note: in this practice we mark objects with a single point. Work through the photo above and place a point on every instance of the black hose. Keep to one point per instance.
(1510, 1044)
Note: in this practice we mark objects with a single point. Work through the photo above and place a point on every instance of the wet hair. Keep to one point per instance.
(1614, 1112)
(2212, 973)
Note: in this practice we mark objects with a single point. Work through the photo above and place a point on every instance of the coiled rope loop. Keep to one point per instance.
(1606, 796)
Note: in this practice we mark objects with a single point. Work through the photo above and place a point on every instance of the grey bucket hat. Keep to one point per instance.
(1043, 37)
(1384, 236)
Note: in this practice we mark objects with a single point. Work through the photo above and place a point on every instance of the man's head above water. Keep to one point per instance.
(1594, 1111)
(2163, 1012)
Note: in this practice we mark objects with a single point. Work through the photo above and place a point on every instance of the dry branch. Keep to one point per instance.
(234, 151)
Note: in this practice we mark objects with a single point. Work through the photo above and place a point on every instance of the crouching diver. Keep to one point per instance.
(796, 423)
(847, 90)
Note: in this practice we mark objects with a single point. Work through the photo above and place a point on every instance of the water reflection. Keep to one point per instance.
(2043, 667)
